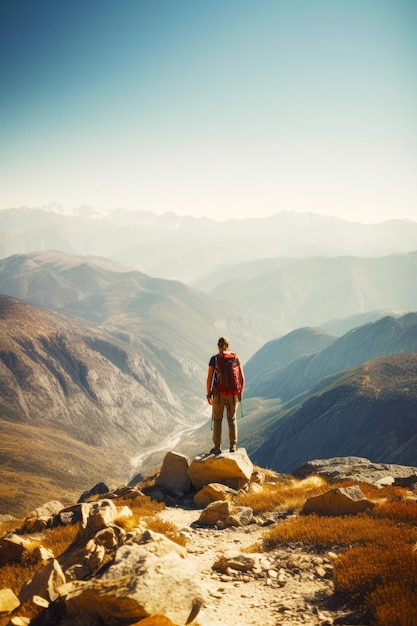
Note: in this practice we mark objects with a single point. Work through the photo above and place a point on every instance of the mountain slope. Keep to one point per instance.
(282, 380)
(63, 380)
(174, 322)
(277, 354)
(369, 412)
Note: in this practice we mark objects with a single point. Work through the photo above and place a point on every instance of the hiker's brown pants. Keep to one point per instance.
(222, 401)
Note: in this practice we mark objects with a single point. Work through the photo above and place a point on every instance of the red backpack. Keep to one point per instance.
(227, 374)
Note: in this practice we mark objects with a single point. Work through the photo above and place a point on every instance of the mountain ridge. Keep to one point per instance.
(188, 248)
(369, 411)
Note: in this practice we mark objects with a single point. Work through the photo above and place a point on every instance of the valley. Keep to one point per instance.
(110, 361)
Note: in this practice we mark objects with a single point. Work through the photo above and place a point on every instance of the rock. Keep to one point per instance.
(141, 582)
(222, 513)
(354, 468)
(8, 601)
(409, 482)
(231, 469)
(385, 481)
(342, 501)
(240, 562)
(98, 515)
(173, 478)
(127, 493)
(255, 488)
(215, 512)
(16, 549)
(44, 583)
(43, 517)
(89, 554)
(258, 477)
(158, 544)
(240, 516)
(98, 490)
(212, 493)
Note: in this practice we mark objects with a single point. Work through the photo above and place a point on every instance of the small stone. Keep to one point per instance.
(320, 571)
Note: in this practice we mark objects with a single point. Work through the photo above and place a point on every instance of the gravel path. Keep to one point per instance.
(286, 586)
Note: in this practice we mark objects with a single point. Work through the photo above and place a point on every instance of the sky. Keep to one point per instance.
(222, 108)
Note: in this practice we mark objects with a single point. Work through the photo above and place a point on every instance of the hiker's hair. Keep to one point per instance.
(223, 342)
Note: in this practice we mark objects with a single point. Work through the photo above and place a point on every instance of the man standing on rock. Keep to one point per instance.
(225, 382)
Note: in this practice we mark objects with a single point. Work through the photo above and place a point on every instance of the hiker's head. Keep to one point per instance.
(223, 343)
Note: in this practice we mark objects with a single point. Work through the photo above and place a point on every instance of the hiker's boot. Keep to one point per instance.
(215, 450)
(232, 448)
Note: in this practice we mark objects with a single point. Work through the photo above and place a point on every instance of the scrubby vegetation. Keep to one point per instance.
(376, 570)
(286, 496)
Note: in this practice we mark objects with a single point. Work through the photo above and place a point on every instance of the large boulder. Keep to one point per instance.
(342, 501)
(173, 478)
(357, 469)
(148, 576)
(233, 469)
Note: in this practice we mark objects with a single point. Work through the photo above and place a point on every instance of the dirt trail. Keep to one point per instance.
(286, 586)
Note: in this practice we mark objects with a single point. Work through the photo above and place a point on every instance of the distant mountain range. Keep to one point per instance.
(298, 269)
(317, 291)
(190, 249)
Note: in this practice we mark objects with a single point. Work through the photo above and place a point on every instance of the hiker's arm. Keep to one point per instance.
(242, 381)
(210, 374)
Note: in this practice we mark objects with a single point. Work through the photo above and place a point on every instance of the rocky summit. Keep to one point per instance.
(213, 570)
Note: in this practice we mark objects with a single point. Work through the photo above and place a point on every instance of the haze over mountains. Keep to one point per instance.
(189, 249)
(110, 359)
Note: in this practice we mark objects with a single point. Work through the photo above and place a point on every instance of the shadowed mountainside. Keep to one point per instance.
(369, 412)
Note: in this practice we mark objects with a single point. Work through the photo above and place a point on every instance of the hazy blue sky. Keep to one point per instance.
(225, 108)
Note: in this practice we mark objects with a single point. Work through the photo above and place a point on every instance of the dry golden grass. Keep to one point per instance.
(377, 573)
(363, 568)
(381, 579)
(394, 603)
(16, 575)
(9, 526)
(166, 528)
(58, 539)
(326, 532)
(400, 510)
(283, 496)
